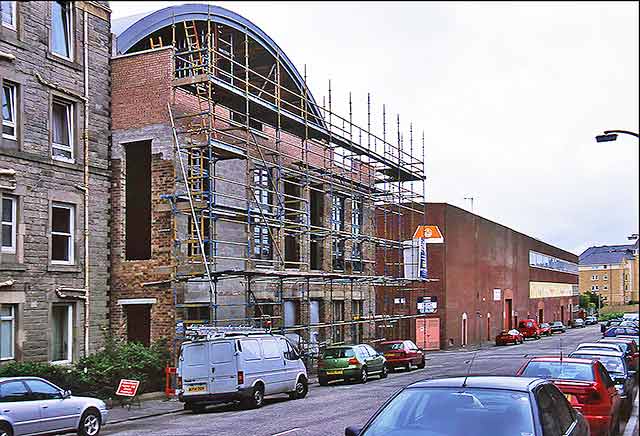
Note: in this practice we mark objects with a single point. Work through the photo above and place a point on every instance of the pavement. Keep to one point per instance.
(328, 410)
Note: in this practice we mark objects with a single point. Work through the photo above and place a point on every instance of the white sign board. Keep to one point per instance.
(497, 294)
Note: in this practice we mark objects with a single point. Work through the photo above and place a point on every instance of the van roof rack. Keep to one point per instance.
(212, 332)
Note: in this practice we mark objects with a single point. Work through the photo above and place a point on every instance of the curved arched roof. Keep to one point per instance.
(130, 30)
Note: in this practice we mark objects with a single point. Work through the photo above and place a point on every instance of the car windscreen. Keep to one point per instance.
(559, 370)
(557, 324)
(387, 347)
(454, 411)
(544, 325)
(612, 363)
(337, 353)
(619, 344)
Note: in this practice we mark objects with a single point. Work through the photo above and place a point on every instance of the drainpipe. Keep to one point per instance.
(85, 139)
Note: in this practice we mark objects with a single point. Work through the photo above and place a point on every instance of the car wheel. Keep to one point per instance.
(256, 400)
(90, 423)
(323, 381)
(385, 372)
(302, 388)
(422, 363)
(5, 430)
(364, 376)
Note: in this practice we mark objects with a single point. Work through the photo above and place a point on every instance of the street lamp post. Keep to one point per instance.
(611, 135)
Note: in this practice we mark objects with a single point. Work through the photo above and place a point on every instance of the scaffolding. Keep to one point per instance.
(322, 201)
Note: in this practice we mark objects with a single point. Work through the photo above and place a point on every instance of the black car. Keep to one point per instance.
(479, 406)
(616, 365)
(558, 327)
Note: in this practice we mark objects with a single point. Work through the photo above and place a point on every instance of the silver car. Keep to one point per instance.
(33, 406)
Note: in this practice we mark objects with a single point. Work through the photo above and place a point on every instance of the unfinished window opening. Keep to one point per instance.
(193, 243)
(199, 168)
(62, 29)
(138, 200)
(242, 119)
(357, 330)
(317, 212)
(293, 219)
(337, 227)
(263, 308)
(196, 314)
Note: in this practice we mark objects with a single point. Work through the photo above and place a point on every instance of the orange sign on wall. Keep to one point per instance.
(431, 234)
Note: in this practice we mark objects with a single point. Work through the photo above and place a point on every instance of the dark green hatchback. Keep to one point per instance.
(350, 362)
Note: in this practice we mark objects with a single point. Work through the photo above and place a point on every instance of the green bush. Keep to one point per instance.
(98, 374)
(611, 315)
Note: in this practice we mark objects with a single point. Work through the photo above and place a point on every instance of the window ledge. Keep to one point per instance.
(53, 267)
(67, 62)
(12, 267)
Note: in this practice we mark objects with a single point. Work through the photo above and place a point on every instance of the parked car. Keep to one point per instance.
(509, 337)
(529, 328)
(635, 339)
(577, 323)
(599, 346)
(545, 329)
(558, 327)
(586, 384)
(350, 362)
(34, 406)
(239, 366)
(401, 354)
(628, 347)
(615, 331)
(629, 323)
(633, 316)
(591, 320)
(479, 406)
(616, 365)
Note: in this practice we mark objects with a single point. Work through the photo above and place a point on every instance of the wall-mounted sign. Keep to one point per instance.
(431, 234)
(497, 294)
(548, 289)
(427, 304)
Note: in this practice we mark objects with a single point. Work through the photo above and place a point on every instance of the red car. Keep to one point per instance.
(545, 329)
(529, 328)
(509, 337)
(401, 354)
(587, 386)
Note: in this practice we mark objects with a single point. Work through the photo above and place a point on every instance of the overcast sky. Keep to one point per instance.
(510, 96)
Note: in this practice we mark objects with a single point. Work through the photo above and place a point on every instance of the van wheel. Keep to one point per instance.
(256, 400)
(364, 376)
(5, 429)
(198, 408)
(90, 423)
(302, 388)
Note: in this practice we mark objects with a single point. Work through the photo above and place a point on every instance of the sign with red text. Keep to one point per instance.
(128, 388)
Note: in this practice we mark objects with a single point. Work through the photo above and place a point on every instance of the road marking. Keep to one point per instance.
(286, 432)
(633, 419)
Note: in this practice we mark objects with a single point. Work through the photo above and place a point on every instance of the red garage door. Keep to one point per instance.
(428, 333)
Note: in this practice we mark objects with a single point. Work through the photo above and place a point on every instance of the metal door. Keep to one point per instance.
(223, 367)
(428, 333)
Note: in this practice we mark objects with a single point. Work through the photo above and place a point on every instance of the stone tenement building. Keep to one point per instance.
(54, 178)
(258, 206)
(611, 271)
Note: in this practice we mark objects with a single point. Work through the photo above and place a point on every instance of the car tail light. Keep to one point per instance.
(353, 361)
(240, 377)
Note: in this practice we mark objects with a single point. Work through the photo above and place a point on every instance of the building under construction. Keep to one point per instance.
(238, 199)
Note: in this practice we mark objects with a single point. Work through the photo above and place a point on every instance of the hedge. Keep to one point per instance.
(98, 374)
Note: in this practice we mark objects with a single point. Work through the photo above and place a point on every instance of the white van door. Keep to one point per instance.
(274, 367)
(224, 370)
(194, 368)
(292, 364)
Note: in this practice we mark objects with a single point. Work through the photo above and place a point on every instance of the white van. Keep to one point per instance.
(237, 366)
